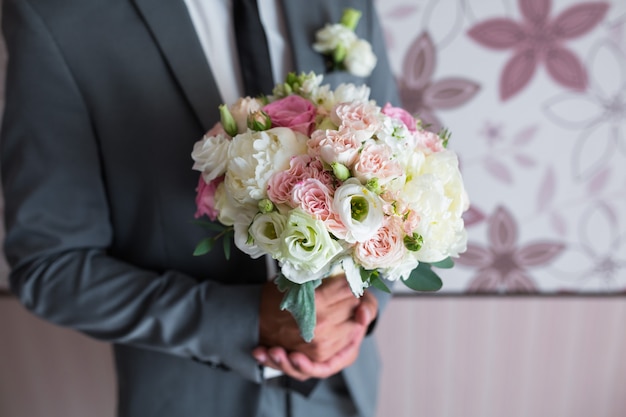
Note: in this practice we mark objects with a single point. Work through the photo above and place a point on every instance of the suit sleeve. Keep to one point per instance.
(58, 226)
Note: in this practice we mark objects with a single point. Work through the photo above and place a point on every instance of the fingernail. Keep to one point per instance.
(276, 358)
(260, 357)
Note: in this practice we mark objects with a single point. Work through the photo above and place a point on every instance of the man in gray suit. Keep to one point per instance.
(105, 99)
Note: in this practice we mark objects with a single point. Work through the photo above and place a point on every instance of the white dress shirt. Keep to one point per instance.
(212, 22)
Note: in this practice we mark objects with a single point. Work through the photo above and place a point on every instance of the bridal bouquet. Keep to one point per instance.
(326, 180)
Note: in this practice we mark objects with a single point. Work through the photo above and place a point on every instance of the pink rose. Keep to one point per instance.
(294, 112)
(242, 108)
(385, 249)
(205, 198)
(375, 161)
(402, 115)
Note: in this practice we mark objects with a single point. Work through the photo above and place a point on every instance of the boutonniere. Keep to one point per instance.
(346, 51)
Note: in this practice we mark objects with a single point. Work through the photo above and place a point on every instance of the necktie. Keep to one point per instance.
(252, 48)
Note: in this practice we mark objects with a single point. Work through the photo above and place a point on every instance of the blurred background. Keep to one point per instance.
(532, 320)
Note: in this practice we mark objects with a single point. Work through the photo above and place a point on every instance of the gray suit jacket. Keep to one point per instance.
(104, 101)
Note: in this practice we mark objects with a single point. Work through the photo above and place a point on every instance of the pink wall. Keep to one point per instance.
(443, 357)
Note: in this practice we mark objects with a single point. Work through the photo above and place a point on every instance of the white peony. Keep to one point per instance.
(255, 156)
(360, 59)
(360, 210)
(438, 195)
(210, 156)
(307, 249)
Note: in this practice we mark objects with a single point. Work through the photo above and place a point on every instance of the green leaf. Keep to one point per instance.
(216, 227)
(204, 246)
(423, 278)
(377, 282)
(367, 274)
(445, 264)
(227, 243)
(299, 300)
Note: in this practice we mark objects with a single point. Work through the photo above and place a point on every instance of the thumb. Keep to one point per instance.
(366, 310)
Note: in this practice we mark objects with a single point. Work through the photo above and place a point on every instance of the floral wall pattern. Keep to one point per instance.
(534, 92)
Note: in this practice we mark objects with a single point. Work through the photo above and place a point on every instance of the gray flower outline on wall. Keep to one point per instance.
(599, 113)
(420, 94)
(503, 265)
(539, 39)
(596, 260)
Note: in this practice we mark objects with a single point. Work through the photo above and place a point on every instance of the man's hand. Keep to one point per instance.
(342, 322)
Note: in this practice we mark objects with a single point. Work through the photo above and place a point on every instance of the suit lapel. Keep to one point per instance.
(173, 31)
(302, 23)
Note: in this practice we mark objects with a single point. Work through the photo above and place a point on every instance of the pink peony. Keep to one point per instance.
(385, 249)
(402, 115)
(331, 146)
(294, 112)
(205, 198)
(280, 185)
(361, 118)
(314, 197)
(429, 141)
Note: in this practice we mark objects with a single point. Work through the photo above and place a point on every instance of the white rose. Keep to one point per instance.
(210, 155)
(331, 36)
(266, 230)
(241, 109)
(360, 210)
(360, 59)
(438, 195)
(307, 249)
(255, 156)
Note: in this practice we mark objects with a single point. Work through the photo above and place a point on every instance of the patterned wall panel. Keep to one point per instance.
(534, 92)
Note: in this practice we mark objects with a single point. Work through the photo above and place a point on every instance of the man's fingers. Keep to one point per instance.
(333, 290)
(338, 362)
(367, 310)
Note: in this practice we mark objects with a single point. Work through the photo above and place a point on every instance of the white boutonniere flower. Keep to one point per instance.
(345, 50)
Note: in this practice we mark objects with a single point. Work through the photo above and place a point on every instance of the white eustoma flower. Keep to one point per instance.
(210, 156)
(360, 210)
(266, 230)
(353, 276)
(255, 156)
(360, 59)
(307, 249)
